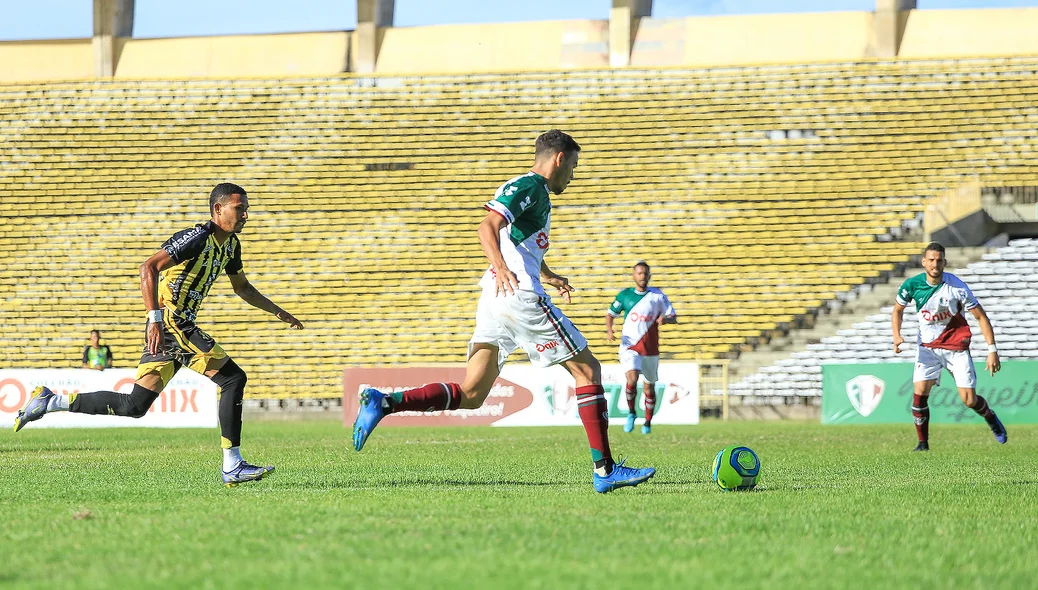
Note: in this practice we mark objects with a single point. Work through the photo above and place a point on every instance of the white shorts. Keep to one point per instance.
(930, 362)
(529, 321)
(647, 365)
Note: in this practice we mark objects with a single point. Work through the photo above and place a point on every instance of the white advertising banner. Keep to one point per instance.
(555, 398)
(189, 400)
(524, 395)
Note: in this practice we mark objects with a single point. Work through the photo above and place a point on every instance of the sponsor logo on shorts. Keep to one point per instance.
(548, 346)
(542, 241)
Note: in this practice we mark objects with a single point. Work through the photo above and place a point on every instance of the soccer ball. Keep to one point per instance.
(736, 468)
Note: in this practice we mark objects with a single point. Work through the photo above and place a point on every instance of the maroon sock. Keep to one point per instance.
(427, 398)
(632, 398)
(921, 413)
(650, 405)
(981, 407)
(594, 413)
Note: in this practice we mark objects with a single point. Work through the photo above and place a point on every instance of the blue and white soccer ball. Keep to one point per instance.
(736, 468)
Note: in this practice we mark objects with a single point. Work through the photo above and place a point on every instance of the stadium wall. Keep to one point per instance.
(970, 33)
(298, 54)
(495, 47)
(753, 39)
(32, 61)
(545, 45)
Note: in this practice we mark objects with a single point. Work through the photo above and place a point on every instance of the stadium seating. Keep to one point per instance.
(757, 194)
(1002, 283)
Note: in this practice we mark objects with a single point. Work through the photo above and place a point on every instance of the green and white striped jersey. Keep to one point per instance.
(941, 320)
(525, 204)
(641, 309)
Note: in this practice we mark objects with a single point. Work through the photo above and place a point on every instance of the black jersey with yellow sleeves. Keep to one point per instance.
(199, 261)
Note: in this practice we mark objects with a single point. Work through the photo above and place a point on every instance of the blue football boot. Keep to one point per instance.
(622, 476)
(35, 408)
(629, 425)
(245, 472)
(999, 431)
(646, 428)
(368, 417)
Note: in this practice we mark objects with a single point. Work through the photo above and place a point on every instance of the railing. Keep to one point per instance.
(1011, 204)
(944, 209)
(713, 384)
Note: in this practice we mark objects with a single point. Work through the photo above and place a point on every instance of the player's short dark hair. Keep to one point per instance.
(222, 193)
(98, 332)
(933, 247)
(555, 141)
(642, 263)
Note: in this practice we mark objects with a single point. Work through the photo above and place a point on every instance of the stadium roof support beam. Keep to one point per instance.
(623, 27)
(373, 17)
(889, 25)
(113, 24)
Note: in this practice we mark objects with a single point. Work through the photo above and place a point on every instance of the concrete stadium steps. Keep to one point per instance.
(1002, 280)
(759, 195)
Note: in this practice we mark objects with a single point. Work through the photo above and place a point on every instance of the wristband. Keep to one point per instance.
(154, 316)
(992, 348)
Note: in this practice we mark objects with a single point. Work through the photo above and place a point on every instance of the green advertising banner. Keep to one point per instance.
(882, 394)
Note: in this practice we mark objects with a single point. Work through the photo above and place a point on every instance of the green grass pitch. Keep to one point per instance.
(837, 507)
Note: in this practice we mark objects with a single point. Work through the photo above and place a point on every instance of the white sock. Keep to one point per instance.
(58, 403)
(231, 458)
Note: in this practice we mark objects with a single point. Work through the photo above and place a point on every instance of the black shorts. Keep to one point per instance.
(183, 345)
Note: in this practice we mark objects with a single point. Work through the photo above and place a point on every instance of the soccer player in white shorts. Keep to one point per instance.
(944, 340)
(645, 309)
(515, 312)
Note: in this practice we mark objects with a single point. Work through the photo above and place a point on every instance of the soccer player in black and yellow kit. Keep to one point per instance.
(174, 281)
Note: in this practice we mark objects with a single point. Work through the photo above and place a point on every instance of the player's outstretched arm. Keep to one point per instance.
(490, 239)
(558, 281)
(609, 328)
(667, 319)
(150, 270)
(993, 362)
(895, 326)
(251, 295)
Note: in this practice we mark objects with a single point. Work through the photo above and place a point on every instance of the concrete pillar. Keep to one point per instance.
(113, 24)
(623, 25)
(889, 25)
(372, 15)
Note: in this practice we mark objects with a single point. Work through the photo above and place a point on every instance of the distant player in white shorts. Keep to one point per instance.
(944, 340)
(645, 309)
(515, 312)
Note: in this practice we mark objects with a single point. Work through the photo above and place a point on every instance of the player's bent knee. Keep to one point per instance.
(230, 377)
(595, 369)
(968, 396)
(139, 401)
(472, 399)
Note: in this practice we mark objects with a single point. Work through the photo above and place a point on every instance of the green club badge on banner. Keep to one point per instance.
(882, 394)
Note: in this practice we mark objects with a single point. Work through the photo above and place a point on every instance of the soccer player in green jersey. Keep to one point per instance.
(174, 281)
(515, 312)
(944, 341)
(645, 309)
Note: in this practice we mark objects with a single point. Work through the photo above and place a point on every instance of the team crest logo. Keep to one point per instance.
(865, 393)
